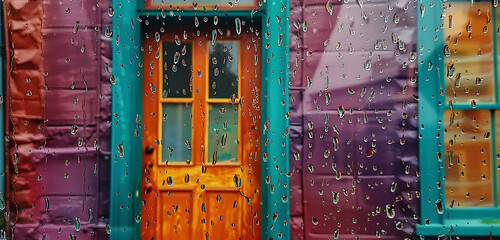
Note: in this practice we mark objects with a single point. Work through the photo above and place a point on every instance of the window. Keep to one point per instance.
(458, 119)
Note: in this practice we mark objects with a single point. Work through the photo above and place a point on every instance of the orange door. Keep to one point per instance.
(201, 171)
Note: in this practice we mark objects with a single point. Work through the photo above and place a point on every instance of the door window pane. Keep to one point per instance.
(468, 158)
(223, 81)
(177, 74)
(176, 133)
(468, 52)
(222, 133)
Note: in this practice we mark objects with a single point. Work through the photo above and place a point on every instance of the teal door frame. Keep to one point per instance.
(126, 123)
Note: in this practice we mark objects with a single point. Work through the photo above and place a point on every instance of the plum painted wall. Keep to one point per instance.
(56, 71)
(349, 54)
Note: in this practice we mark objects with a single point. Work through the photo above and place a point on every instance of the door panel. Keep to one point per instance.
(201, 116)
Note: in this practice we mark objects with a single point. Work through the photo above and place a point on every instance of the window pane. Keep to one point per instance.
(223, 133)
(177, 74)
(467, 158)
(468, 52)
(223, 70)
(176, 132)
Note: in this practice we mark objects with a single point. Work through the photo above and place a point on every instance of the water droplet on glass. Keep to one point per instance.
(439, 206)
(336, 197)
(360, 3)
(329, 7)
(74, 129)
(237, 23)
(177, 56)
(315, 221)
(78, 226)
(170, 182)
(75, 28)
(91, 214)
(108, 229)
(111, 12)
(396, 18)
(328, 98)
(177, 40)
(399, 225)
(390, 211)
(120, 149)
(214, 37)
(368, 65)
(157, 36)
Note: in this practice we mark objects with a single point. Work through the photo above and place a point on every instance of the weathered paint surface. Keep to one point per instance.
(57, 73)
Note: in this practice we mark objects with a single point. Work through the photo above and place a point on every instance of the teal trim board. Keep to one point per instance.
(126, 142)
(126, 134)
(430, 39)
(274, 138)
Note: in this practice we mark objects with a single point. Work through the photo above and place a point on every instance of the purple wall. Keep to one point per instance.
(67, 169)
(380, 120)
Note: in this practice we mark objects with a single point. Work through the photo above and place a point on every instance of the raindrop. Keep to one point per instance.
(47, 205)
(328, 98)
(177, 40)
(196, 22)
(108, 229)
(120, 149)
(360, 3)
(447, 51)
(237, 22)
(439, 206)
(170, 182)
(214, 37)
(399, 225)
(75, 28)
(396, 18)
(236, 181)
(74, 129)
(177, 56)
(111, 12)
(77, 223)
(157, 37)
(91, 214)
(368, 65)
(315, 221)
(329, 7)
(336, 197)
(394, 185)
(390, 211)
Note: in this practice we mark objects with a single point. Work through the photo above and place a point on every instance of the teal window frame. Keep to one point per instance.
(126, 123)
(464, 222)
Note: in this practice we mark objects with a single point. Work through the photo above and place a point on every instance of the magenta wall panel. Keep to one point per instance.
(347, 62)
(59, 75)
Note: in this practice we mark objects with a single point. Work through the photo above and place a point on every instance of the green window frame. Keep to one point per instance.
(470, 221)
